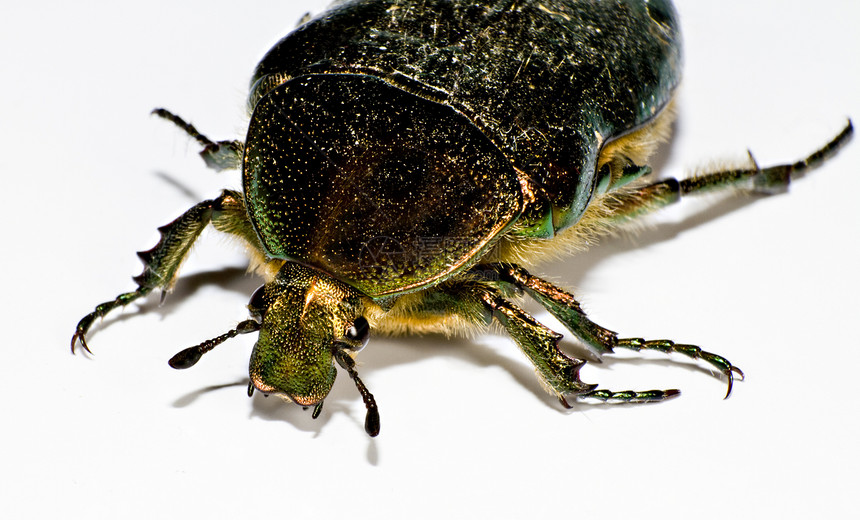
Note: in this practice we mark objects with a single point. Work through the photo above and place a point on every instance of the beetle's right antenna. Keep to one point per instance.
(371, 421)
(190, 356)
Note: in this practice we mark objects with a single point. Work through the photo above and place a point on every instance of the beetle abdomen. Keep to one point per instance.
(548, 81)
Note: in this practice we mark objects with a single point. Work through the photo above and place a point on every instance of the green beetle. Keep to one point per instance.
(406, 159)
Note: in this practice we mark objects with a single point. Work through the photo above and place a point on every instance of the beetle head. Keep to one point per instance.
(308, 320)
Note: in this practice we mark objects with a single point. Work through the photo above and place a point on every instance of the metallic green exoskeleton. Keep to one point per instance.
(406, 160)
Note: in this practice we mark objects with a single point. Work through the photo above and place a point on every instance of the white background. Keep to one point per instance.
(466, 429)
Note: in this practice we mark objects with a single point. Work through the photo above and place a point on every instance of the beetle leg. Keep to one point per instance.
(478, 298)
(559, 371)
(223, 155)
(628, 396)
(100, 310)
(162, 262)
(566, 309)
(540, 344)
(560, 303)
(627, 204)
(692, 351)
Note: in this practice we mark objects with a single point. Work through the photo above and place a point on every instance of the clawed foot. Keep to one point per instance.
(627, 396)
(693, 352)
(81, 333)
(650, 396)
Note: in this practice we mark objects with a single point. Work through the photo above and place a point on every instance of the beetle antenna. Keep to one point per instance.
(371, 422)
(190, 356)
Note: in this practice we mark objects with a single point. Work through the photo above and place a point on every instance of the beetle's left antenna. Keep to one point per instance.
(371, 421)
(190, 356)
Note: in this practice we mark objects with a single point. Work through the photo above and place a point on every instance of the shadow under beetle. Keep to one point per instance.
(404, 161)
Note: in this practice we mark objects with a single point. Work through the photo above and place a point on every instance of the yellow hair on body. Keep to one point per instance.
(407, 314)
(635, 147)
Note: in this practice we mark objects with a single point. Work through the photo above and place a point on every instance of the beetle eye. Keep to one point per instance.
(258, 304)
(357, 334)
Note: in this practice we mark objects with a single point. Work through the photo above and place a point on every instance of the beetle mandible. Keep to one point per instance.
(406, 161)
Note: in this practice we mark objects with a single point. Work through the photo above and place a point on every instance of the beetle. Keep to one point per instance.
(407, 161)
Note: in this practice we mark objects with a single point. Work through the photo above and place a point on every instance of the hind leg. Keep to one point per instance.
(629, 203)
(161, 263)
(221, 155)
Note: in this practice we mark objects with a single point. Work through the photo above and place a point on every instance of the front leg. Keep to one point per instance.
(556, 369)
(567, 310)
(162, 262)
(479, 301)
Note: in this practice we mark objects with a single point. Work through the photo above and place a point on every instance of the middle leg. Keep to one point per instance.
(479, 302)
(567, 310)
